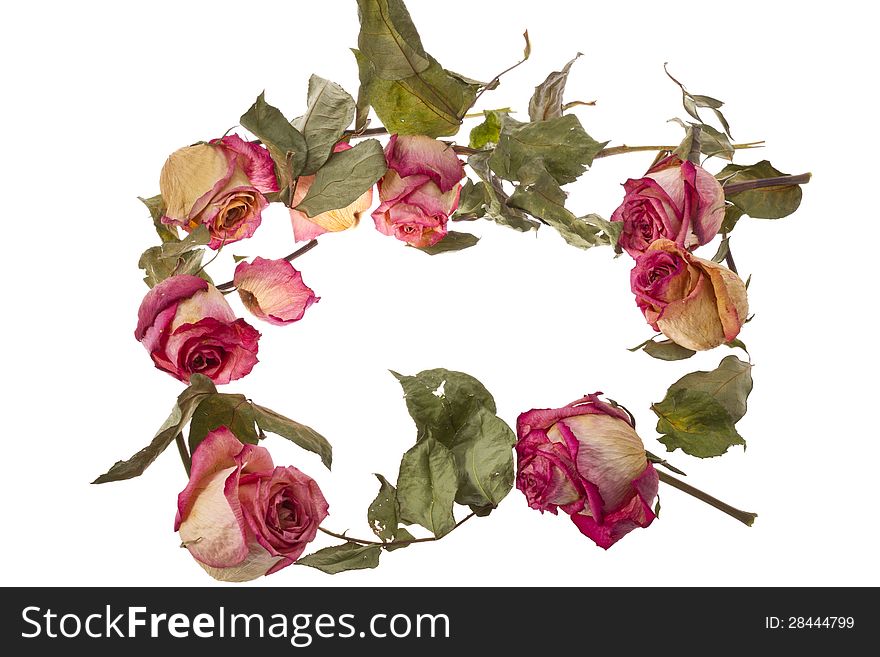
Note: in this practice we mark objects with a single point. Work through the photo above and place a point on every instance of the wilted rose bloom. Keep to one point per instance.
(220, 185)
(189, 328)
(586, 459)
(696, 303)
(239, 516)
(675, 200)
(419, 191)
(308, 228)
(273, 290)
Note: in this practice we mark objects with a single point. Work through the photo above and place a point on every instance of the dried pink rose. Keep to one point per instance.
(696, 303)
(586, 459)
(273, 290)
(221, 185)
(419, 191)
(241, 517)
(188, 328)
(308, 228)
(676, 200)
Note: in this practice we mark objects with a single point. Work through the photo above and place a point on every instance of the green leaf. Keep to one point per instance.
(158, 267)
(330, 111)
(426, 487)
(300, 434)
(667, 350)
(494, 201)
(223, 410)
(441, 401)
(402, 535)
(729, 384)
(560, 145)
(365, 76)
(695, 422)
(611, 230)
(173, 258)
(731, 216)
(339, 558)
(156, 206)
(345, 176)
(723, 250)
(285, 143)
(472, 201)
(715, 143)
(383, 512)
(488, 131)
(737, 344)
(239, 258)
(482, 450)
(431, 103)
(453, 241)
(389, 39)
(541, 196)
(692, 102)
(410, 91)
(546, 102)
(187, 402)
(766, 202)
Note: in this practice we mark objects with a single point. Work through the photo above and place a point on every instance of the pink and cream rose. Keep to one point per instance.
(220, 184)
(419, 191)
(308, 228)
(586, 459)
(188, 328)
(676, 200)
(696, 303)
(273, 290)
(241, 517)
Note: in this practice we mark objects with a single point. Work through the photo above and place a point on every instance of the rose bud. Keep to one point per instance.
(273, 290)
(220, 185)
(308, 228)
(419, 191)
(189, 328)
(239, 516)
(696, 303)
(587, 460)
(676, 200)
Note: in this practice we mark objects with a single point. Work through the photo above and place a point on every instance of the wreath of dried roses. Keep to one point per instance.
(240, 516)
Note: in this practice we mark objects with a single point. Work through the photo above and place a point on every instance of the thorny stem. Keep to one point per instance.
(605, 152)
(744, 517)
(620, 150)
(291, 257)
(184, 454)
(364, 541)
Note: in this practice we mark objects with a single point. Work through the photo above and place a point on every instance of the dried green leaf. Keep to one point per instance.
(561, 146)
(299, 434)
(426, 487)
(330, 111)
(223, 410)
(453, 241)
(187, 402)
(384, 511)
(344, 178)
(546, 101)
(339, 558)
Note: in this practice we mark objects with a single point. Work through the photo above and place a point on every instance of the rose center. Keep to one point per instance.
(205, 360)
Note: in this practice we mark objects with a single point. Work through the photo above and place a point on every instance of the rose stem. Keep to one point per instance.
(364, 541)
(184, 454)
(778, 181)
(743, 516)
(293, 256)
(605, 152)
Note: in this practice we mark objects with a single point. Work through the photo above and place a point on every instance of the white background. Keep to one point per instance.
(96, 95)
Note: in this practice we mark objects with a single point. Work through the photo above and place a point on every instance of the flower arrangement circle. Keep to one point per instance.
(239, 515)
